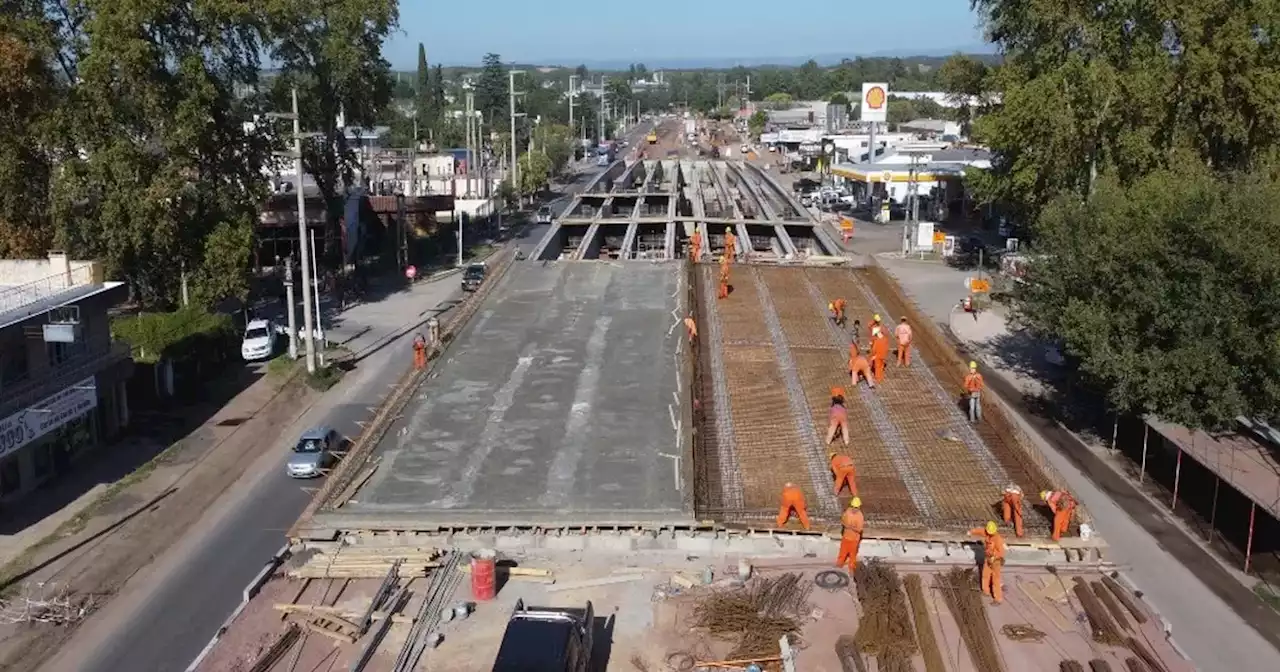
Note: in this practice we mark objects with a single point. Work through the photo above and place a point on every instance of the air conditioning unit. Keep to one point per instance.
(63, 326)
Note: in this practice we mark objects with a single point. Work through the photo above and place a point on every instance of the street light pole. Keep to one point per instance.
(602, 117)
(515, 168)
(572, 95)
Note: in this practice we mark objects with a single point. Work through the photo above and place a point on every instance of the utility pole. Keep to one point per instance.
(288, 297)
(471, 136)
(602, 114)
(515, 168)
(315, 278)
(573, 93)
(304, 260)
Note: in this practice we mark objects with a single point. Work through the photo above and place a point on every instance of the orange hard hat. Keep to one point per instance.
(837, 391)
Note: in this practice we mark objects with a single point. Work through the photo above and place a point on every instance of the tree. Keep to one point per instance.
(165, 178)
(757, 122)
(427, 108)
(28, 98)
(965, 79)
(778, 101)
(491, 89)
(581, 72)
(535, 170)
(332, 52)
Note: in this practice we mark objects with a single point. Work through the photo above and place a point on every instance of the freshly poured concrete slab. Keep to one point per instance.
(550, 407)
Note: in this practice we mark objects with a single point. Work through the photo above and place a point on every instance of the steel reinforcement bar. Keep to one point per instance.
(718, 479)
(356, 461)
(1015, 451)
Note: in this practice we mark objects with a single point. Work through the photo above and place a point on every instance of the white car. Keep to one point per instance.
(259, 341)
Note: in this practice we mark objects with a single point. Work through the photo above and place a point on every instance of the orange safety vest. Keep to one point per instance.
(854, 523)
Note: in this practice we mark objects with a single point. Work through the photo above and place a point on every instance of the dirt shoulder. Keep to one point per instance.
(136, 519)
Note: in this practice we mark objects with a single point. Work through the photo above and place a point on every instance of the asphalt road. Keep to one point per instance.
(185, 607)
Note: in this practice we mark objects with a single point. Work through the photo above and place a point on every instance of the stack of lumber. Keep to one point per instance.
(360, 562)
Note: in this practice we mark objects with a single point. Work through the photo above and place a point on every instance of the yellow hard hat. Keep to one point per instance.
(831, 306)
(855, 503)
(991, 527)
(973, 365)
(876, 317)
(1044, 494)
(728, 229)
(831, 454)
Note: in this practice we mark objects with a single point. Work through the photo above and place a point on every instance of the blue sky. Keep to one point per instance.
(572, 31)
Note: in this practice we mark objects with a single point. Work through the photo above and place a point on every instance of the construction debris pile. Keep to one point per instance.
(884, 630)
(757, 615)
(46, 602)
(959, 588)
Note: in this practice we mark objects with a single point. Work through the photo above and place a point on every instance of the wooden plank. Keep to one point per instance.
(592, 583)
(513, 571)
(332, 634)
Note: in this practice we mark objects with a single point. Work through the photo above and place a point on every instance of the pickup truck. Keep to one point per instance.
(544, 215)
(473, 276)
(546, 639)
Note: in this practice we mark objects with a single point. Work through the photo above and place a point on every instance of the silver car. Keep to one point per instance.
(313, 453)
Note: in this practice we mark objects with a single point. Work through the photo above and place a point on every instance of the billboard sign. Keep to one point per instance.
(875, 102)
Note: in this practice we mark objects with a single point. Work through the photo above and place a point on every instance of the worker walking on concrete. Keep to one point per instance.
(1011, 507)
(859, 366)
(837, 311)
(724, 278)
(845, 473)
(903, 332)
(837, 417)
(879, 352)
(691, 327)
(973, 385)
(419, 352)
(792, 501)
(1063, 506)
(854, 524)
(695, 245)
(993, 550)
(730, 243)
(433, 331)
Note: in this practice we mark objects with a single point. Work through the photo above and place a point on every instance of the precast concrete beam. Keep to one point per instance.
(552, 233)
(744, 251)
(670, 242)
(785, 238)
(629, 241)
(589, 248)
(723, 187)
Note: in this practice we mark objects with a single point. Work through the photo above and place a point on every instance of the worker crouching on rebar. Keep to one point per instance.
(837, 417)
(993, 550)
(1063, 506)
(1011, 507)
(853, 523)
(844, 472)
(837, 311)
(859, 367)
(792, 501)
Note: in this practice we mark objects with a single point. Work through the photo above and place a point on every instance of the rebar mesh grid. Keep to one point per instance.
(1024, 465)
(717, 476)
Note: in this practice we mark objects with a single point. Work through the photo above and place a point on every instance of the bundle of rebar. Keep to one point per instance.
(1141, 652)
(1108, 600)
(1135, 665)
(1103, 628)
(757, 615)
(885, 627)
(1022, 632)
(1099, 665)
(1070, 666)
(1125, 598)
(933, 660)
(960, 591)
(849, 654)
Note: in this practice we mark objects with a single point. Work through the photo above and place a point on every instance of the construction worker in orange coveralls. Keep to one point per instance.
(854, 523)
(903, 332)
(973, 385)
(1011, 507)
(875, 324)
(837, 311)
(1063, 505)
(695, 245)
(730, 243)
(691, 327)
(837, 417)
(419, 352)
(879, 352)
(724, 278)
(993, 549)
(792, 500)
(845, 473)
(859, 366)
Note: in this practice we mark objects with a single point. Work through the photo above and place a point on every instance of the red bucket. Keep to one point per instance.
(484, 581)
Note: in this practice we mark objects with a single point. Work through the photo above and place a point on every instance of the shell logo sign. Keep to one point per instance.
(875, 101)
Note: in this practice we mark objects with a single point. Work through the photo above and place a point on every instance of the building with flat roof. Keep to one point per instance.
(62, 379)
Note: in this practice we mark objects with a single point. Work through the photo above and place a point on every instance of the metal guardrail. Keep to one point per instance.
(14, 297)
(30, 390)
